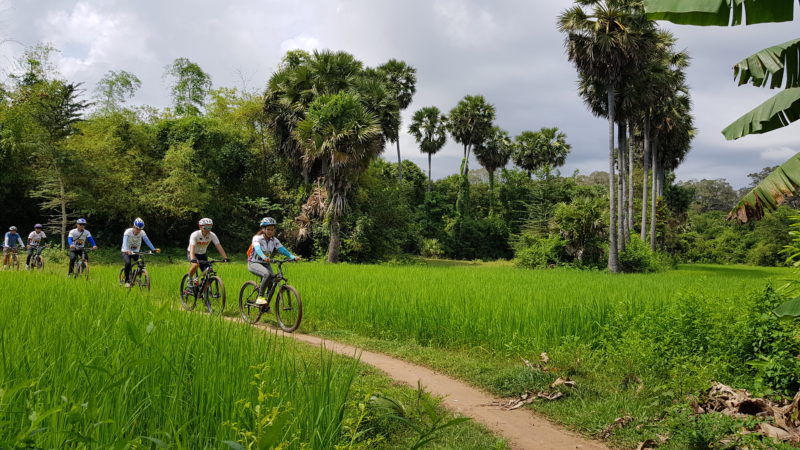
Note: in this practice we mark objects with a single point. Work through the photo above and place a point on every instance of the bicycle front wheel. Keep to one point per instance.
(143, 280)
(122, 276)
(15, 261)
(38, 262)
(188, 294)
(214, 295)
(247, 302)
(288, 308)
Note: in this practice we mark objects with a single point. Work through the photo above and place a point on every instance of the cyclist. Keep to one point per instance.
(131, 243)
(258, 263)
(198, 244)
(11, 242)
(35, 240)
(77, 239)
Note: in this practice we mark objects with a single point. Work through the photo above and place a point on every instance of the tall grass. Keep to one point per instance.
(87, 364)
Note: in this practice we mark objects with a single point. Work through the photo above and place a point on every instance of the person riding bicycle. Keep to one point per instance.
(258, 263)
(11, 242)
(76, 239)
(131, 243)
(198, 245)
(35, 240)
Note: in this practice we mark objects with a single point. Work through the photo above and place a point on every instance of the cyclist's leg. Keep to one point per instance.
(126, 259)
(194, 266)
(6, 256)
(31, 250)
(202, 261)
(73, 253)
(261, 270)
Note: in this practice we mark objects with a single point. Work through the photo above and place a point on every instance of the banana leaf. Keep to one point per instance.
(720, 12)
(770, 192)
(789, 309)
(777, 112)
(769, 66)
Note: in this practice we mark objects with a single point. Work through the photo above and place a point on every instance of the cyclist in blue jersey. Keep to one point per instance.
(12, 242)
(132, 243)
(264, 244)
(77, 239)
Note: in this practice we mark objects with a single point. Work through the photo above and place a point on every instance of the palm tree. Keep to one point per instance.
(402, 80)
(469, 124)
(429, 128)
(345, 136)
(494, 154)
(525, 155)
(604, 44)
(544, 149)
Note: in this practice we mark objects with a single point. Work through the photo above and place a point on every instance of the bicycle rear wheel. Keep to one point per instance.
(288, 308)
(247, 302)
(188, 294)
(143, 280)
(214, 295)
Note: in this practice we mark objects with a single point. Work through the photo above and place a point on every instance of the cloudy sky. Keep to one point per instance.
(507, 50)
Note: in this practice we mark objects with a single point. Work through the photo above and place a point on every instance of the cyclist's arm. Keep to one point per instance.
(21, 242)
(221, 250)
(192, 256)
(126, 247)
(5, 241)
(285, 252)
(91, 241)
(149, 244)
(69, 241)
(259, 252)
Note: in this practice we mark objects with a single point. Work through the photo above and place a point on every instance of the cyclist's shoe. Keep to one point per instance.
(261, 300)
(127, 285)
(27, 267)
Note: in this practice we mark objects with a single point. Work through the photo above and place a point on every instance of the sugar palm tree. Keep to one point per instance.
(429, 128)
(401, 79)
(524, 154)
(345, 137)
(469, 124)
(493, 153)
(604, 43)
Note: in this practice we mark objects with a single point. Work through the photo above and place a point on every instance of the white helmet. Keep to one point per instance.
(205, 221)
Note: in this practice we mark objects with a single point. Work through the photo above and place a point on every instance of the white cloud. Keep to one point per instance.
(777, 155)
(465, 23)
(300, 42)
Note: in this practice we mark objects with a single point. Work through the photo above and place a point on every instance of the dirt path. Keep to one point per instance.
(521, 428)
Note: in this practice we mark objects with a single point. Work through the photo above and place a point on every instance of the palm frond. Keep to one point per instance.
(777, 112)
(720, 12)
(769, 66)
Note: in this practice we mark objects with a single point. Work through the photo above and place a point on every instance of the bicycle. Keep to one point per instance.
(79, 267)
(37, 262)
(14, 264)
(288, 307)
(139, 275)
(208, 285)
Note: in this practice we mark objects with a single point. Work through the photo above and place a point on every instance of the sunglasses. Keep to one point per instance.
(207, 227)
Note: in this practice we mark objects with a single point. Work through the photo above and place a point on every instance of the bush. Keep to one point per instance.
(637, 257)
(541, 253)
(432, 248)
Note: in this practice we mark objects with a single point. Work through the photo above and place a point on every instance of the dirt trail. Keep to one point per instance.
(521, 428)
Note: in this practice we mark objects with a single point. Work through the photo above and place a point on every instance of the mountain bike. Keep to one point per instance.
(79, 267)
(37, 262)
(207, 286)
(288, 307)
(14, 263)
(139, 275)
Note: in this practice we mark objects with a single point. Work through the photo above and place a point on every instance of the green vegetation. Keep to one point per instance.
(87, 364)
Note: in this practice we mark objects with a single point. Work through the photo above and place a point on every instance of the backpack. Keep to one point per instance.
(249, 251)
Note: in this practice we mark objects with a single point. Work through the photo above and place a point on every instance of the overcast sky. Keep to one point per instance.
(507, 50)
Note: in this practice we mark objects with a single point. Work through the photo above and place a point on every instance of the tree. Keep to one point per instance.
(770, 66)
(402, 80)
(115, 88)
(190, 86)
(470, 122)
(604, 45)
(525, 154)
(552, 149)
(345, 136)
(493, 153)
(429, 128)
(711, 195)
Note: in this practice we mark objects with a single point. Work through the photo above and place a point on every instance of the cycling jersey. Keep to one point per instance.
(35, 238)
(79, 238)
(12, 240)
(201, 242)
(263, 248)
(133, 242)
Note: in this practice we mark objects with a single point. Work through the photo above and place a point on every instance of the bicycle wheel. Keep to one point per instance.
(188, 294)
(288, 308)
(143, 280)
(122, 276)
(38, 262)
(14, 261)
(214, 295)
(247, 302)
(85, 269)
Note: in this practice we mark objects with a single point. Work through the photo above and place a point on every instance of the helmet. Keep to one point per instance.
(138, 223)
(205, 221)
(38, 225)
(13, 228)
(81, 221)
(266, 221)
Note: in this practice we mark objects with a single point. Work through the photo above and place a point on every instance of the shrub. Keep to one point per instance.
(637, 257)
(432, 248)
(541, 253)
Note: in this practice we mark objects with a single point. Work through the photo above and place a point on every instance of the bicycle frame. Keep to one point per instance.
(277, 279)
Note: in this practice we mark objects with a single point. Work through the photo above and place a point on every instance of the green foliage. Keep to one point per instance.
(431, 248)
(637, 257)
(540, 253)
(190, 86)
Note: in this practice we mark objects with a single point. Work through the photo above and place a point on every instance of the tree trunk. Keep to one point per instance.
(645, 180)
(629, 165)
(63, 200)
(653, 198)
(613, 256)
(491, 192)
(335, 243)
(399, 161)
(430, 180)
(621, 186)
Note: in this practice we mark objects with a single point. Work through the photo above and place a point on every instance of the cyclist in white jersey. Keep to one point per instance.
(198, 245)
(258, 263)
(77, 239)
(35, 240)
(132, 243)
